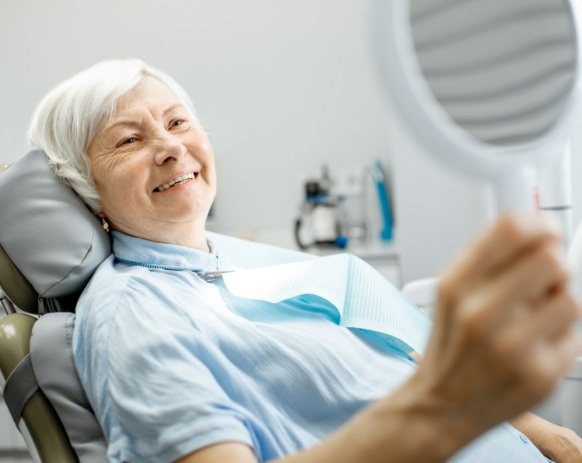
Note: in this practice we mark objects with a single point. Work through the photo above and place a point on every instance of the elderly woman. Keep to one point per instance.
(176, 370)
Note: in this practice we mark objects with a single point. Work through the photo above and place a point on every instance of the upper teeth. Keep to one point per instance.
(171, 183)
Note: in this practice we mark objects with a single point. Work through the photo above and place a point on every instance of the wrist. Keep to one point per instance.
(410, 425)
(548, 437)
(433, 427)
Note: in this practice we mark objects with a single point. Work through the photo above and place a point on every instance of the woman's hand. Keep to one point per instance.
(503, 330)
(558, 443)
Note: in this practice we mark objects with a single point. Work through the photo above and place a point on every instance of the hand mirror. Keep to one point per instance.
(489, 86)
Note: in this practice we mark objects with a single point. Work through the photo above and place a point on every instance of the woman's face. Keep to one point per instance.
(154, 167)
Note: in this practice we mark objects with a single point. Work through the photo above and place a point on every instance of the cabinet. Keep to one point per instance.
(384, 257)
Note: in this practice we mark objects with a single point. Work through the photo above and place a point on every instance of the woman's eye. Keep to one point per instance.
(176, 123)
(127, 141)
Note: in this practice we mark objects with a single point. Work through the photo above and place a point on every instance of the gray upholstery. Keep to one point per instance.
(45, 436)
(52, 361)
(50, 245)
(20, 386)
(47, 232)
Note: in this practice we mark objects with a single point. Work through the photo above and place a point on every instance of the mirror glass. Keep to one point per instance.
(502, 70)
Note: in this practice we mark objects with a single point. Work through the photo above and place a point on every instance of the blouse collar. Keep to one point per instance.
(137, 251)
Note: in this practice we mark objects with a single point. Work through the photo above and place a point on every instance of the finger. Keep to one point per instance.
(507, 239)
(522, 332)
(555, 357)
(533, 368)
(517, 294)
(533, 276)
(555, 316)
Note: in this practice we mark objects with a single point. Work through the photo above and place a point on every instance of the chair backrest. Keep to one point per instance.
(50, 245)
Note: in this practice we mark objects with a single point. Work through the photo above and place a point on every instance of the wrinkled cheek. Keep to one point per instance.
(116, 201)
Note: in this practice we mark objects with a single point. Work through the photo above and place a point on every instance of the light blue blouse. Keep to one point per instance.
(172, 363)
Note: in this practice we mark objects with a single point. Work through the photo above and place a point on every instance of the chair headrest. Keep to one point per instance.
(50, 243)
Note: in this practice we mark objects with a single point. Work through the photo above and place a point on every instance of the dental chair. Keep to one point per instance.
(50, 245)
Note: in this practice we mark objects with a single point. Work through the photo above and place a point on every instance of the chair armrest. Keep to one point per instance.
(40, 426)
(422, 293)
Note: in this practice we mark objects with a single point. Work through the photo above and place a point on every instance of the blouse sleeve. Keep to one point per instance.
(157, 399)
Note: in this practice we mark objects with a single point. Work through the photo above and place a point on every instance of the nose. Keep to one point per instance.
(168, 148)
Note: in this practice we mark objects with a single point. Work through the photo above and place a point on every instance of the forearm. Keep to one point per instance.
(410, 425)
(556, 442)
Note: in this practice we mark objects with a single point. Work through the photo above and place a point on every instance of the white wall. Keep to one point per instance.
(439, 210)
(283, 86)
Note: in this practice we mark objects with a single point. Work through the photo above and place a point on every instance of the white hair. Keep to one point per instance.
(66, 120)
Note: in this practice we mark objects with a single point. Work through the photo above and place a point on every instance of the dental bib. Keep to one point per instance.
(361, 298)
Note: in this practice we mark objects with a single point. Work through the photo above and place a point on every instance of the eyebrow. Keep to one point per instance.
(173, 108)
(133, 123)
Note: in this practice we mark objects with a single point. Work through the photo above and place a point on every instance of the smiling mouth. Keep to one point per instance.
(177, 181)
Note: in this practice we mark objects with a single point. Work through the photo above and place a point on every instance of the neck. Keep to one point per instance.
(187, 234)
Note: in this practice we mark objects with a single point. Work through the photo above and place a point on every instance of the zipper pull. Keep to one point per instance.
(209, 277)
